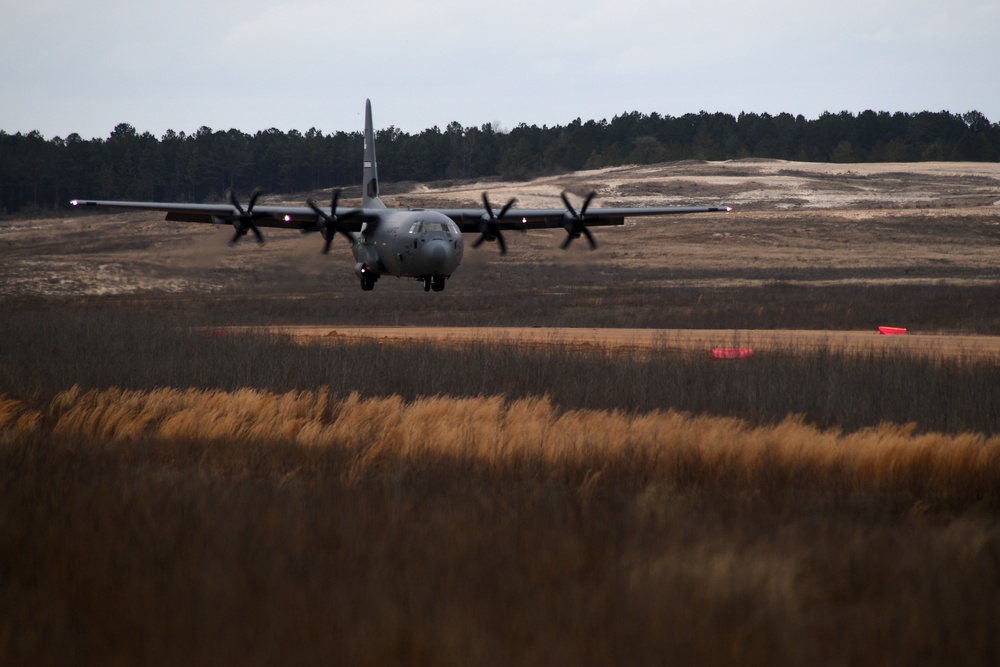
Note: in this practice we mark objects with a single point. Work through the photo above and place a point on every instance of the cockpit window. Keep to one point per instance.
(421, 227)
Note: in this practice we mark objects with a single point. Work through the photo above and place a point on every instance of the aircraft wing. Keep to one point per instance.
(469, 219)
(280, 217)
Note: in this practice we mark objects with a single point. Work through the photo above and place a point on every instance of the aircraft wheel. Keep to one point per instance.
(438, 283)
(427, 284)
(367, 283)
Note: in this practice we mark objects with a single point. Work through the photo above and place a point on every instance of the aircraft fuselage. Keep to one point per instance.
(420, 244)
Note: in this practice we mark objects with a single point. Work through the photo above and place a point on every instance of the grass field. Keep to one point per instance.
(214, 527)
(172, 495)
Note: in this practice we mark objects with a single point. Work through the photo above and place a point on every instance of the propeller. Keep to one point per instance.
(329, 223)
(574, 222)
(489, 224)
(242, 219)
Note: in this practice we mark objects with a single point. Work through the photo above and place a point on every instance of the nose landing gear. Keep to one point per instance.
(434, 282)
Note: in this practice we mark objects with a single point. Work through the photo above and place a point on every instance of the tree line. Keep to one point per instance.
(38, 174)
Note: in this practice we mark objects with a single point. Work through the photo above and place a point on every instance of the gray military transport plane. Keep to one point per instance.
(425, 244)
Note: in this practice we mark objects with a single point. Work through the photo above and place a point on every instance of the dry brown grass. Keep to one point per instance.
(210, 527)
(447, 512)
(45, 352)
(491, 434)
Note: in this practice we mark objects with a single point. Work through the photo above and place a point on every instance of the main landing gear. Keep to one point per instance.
(434, 282)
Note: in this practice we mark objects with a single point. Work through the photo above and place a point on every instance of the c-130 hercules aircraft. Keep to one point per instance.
(426, 244)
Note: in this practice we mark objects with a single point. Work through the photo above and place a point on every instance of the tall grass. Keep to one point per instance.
(171, 497)
(582, 295)
(47, 352)
(491, 435)
(209, 527)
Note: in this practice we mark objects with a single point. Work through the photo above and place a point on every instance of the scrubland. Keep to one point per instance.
(171, 495)
(173, 491)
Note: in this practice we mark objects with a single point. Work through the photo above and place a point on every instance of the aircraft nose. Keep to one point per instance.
(437, 253)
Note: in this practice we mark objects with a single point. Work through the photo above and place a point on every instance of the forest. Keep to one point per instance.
(39, 175)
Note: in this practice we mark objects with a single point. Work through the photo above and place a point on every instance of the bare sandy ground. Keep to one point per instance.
(794, 225)
(748, 184)
(971, 347)
(909, 222)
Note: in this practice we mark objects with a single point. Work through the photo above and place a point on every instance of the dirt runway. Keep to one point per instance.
(964, 346)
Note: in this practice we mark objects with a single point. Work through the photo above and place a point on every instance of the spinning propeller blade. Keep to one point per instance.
(242, 219)
(329, 224)
(575, 223)
(489, 224)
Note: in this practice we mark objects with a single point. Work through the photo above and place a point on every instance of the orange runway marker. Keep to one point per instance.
(732, 352)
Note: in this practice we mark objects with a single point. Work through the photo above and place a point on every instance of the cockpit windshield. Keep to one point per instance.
(421, 227)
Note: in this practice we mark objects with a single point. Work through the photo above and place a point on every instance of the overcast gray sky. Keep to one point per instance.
(84, 67)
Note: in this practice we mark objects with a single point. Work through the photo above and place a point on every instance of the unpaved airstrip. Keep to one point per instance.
(704, 341)
(807, 243)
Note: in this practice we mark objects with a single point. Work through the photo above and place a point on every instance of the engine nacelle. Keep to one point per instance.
(367, 254)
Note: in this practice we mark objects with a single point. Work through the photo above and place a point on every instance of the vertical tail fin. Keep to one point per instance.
(369, 182)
